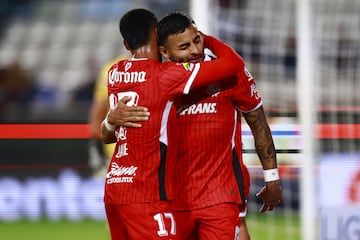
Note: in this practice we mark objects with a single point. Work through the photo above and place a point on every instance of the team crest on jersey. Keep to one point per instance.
(128, 66)
(248, 74)
(188, 66)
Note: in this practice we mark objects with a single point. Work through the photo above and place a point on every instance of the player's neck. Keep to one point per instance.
(147, 51)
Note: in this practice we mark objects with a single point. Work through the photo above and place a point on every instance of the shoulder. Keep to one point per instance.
(245, 76)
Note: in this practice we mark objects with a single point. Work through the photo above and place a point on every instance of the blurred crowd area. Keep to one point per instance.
(52, 51)
(265, 34)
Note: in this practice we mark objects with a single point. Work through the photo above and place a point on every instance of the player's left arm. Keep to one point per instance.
(246, 97)
(271, 193)
(122, 116)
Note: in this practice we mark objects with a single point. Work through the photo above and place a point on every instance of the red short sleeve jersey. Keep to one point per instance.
(137, 168)
(136, 171)
(208, 167)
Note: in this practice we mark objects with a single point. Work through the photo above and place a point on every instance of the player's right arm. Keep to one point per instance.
(180, 78)
(228, 63)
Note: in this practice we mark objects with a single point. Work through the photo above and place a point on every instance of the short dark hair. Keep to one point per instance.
(135, 27)
(173, 23)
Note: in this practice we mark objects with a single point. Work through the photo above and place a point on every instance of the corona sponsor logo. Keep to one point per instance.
(116, 76)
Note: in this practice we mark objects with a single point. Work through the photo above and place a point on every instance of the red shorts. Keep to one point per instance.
(141, 221)
(216, 222)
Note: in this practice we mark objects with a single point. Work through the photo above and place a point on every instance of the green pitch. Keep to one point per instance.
(280, 226)
(47, 230)
(261, 227)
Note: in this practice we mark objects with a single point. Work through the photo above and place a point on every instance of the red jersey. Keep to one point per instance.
(136, 170)
(208, 168)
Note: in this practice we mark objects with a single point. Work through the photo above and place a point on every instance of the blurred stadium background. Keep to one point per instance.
(52, 51)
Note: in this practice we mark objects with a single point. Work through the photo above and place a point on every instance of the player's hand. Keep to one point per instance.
(128, 116)
(271, 194)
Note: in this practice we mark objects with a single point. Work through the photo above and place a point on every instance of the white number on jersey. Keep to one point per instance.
(159, 217)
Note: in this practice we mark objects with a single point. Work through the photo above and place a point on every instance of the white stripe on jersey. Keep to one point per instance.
(164, 120)
(191, 79)
(234, 130)
(208, 57)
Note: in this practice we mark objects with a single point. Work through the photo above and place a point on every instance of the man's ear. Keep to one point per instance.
(163, 52)
(126, 45)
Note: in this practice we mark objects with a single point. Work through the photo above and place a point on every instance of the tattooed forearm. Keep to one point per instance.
(264, 143)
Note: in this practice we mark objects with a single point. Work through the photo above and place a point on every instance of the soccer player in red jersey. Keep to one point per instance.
(136, 200)
(208, 176)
